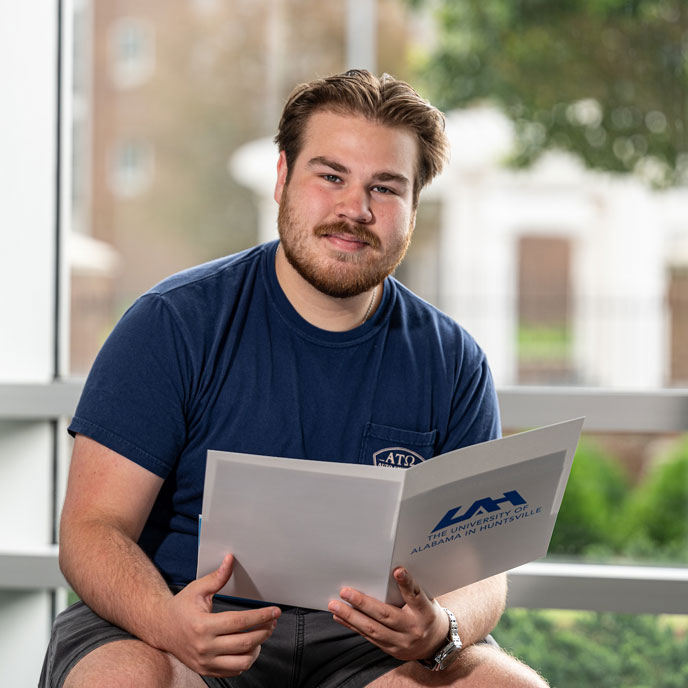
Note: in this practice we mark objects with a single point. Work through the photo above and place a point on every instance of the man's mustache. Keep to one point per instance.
(354, 230)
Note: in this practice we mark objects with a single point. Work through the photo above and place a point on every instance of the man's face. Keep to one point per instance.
(346, 215)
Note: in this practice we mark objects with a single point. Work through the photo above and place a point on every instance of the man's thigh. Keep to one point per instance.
(307, 650)
(77, 631)
(86, 650)
(478, 666)
(124, 663)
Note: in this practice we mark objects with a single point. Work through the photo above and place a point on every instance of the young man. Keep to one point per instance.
(302, 348)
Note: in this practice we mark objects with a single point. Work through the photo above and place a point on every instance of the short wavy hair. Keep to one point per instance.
(384, 100)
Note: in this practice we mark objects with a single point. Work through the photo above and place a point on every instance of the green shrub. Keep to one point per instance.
(596, 649)
(588, 521)
(656, 523)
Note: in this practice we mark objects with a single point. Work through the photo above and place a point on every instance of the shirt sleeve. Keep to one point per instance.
(136, 394)
(475, 409)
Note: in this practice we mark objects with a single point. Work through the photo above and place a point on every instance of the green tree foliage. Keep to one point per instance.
(592, 508)
(606, 79)
(597, 649)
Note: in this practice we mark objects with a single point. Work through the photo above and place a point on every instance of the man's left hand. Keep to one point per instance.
(413, 631)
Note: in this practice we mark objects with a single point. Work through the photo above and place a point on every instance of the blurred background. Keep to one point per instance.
(136, 141)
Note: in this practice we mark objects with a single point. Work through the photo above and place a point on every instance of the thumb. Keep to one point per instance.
(214, 581)
(411, 592)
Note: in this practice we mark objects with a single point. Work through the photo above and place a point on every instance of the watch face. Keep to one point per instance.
(450, 655)
(446, 656)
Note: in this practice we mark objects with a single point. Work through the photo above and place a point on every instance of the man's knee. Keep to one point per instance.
(125, 663)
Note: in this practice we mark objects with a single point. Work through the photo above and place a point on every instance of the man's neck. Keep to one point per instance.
(323, 311)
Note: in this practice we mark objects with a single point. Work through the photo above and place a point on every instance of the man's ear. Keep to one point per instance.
(281, 176)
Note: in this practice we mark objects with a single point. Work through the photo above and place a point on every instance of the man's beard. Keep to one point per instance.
(354, 273)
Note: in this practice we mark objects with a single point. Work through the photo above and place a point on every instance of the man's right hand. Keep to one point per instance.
(221, 644)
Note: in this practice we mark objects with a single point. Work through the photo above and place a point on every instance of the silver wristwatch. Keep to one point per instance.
(448, 652)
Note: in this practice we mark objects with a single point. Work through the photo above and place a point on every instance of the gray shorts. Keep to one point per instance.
(306, 650)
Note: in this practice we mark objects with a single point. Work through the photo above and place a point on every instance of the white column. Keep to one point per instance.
(623, 335)
(477, 250)
(28, 141)
(477, 262)
(28, 32)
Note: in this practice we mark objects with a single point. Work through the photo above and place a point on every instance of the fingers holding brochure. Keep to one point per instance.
(413, 631)
(215, 644)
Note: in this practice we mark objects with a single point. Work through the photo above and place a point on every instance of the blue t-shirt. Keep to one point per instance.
(217, 358)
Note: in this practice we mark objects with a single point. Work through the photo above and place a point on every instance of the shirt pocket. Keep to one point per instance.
(383, 445)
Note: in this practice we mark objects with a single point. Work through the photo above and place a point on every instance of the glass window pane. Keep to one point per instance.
(557, 235)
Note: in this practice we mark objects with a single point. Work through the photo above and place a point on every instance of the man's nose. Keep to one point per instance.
(354, 205)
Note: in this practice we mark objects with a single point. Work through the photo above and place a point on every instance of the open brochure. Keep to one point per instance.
(301, 530)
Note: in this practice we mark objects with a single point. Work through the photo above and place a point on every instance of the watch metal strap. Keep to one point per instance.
(447, 653)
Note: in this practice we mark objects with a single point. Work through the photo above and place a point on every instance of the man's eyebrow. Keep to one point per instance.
(391, 177)
(378, 176)
(322, 160)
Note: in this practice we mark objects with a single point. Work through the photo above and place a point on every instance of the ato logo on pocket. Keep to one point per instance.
(396, 457)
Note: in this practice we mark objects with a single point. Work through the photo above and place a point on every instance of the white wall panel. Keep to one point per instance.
(28, 74)
(21, 653)
(26, 477)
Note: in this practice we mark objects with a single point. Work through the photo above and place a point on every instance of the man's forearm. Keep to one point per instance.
(477, 607)
(114, 577)
(117, 580)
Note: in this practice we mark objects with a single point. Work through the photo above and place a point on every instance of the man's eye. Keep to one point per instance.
(383, 189)
(331, 178)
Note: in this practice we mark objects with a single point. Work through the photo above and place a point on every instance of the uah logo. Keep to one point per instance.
(488, 504)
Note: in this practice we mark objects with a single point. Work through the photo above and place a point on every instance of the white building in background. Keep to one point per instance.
(623, 240)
